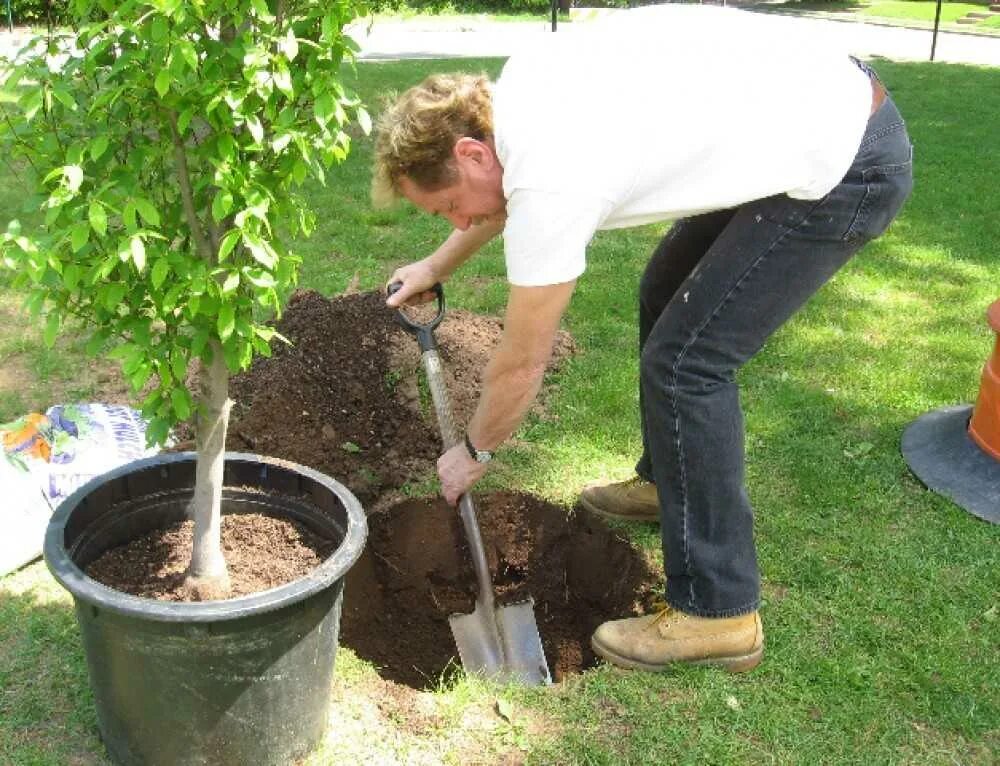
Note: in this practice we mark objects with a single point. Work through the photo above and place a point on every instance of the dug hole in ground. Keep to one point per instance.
(345, 399)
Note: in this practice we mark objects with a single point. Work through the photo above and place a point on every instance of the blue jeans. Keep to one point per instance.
(715, 289)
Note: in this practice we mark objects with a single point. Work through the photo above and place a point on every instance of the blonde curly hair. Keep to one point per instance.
(415, 135)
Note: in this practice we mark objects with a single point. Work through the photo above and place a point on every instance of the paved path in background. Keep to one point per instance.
(432, 38)
(479, 36)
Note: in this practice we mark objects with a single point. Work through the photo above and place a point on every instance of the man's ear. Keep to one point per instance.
(471, 149)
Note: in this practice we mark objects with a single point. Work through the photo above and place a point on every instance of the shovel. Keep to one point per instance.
(499, 642)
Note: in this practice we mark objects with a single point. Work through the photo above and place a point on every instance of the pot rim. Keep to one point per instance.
(91, 592)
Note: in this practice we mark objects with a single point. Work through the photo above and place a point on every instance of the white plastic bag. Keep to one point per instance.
(45, 458)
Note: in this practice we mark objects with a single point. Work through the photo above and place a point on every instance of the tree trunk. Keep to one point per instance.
(208, 577)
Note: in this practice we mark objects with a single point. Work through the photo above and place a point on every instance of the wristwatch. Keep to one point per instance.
(479, 455)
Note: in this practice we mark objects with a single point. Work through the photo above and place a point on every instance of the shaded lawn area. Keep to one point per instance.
(881, 599)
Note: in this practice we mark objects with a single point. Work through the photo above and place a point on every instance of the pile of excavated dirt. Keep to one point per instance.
(344, 398)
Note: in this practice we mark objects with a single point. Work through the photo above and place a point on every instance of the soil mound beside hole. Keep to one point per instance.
(344, 398)
(415, 572)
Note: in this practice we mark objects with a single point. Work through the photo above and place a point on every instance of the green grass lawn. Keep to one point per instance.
(919, 13)
(922, 10)
(880, 598)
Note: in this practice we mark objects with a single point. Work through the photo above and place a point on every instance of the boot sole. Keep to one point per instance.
(737, 664)
(652, 519)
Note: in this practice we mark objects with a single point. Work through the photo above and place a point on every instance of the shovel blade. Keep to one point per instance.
(501, 643)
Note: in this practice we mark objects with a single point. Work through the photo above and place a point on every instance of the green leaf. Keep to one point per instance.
(159, 29)
(181, 399)
(162, 82)
(259, 251)
(228, 243)
(52, 329)
(231, 283)
(140, 375)
(138, 252)
(64, 98)
(289, 45)
(74, 177)
(184, 120)
(226, 146)
(178, 366)
(280, 142)
(260, 278)
(157, 431)
(98, 146)
(198, 342)
(98, 218)
(159, 272)
(71, 276)
(263, 12)
(189, 54)
(283, 82)
(31, 102)
(364, 120)
(255, 128)
(147, 210)
(226, 322)
(323, 108)
(78, 236)
(350, 447)
(113, 295)
(128, 216)
(222, 203)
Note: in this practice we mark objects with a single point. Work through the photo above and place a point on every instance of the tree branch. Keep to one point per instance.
(187, 196)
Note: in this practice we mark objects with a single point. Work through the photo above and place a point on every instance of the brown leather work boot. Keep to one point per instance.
(632, 500)
(655, 641)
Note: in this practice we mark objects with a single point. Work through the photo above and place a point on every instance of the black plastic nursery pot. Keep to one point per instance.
(242, 681)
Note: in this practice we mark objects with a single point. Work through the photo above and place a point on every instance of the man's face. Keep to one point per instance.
(474, 198)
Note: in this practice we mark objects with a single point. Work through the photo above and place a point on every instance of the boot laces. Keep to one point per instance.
(664, 613)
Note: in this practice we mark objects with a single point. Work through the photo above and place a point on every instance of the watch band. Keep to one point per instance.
(479, 455)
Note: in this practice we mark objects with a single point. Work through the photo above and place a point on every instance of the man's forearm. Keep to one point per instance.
(504, 400)
(461, 245)
(516, 369)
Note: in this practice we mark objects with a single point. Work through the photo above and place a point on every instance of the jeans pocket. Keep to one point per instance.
(886, 189)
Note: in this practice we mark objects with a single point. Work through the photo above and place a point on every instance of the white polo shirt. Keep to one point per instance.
(663, 112)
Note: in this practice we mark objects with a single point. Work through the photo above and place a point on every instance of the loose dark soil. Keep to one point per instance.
(153, 565)
(415, 572)
(346, 398)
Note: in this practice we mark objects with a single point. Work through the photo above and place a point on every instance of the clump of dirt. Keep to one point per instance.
(154, 565)
(345, 399)
(415, 572)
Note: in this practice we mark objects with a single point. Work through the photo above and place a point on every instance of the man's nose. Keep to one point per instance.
(460, 222)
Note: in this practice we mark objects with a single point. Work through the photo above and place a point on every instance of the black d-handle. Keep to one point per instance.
(423, 332)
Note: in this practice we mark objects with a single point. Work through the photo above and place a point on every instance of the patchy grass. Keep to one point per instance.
(881, 598)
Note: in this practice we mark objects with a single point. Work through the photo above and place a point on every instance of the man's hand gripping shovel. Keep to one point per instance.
(500, 642)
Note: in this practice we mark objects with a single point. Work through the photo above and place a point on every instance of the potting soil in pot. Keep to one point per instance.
(261, 552)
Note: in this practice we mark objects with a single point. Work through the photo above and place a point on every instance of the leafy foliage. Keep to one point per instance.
(166, 142)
